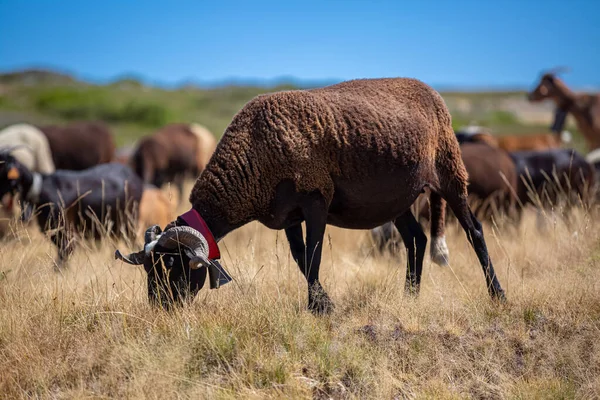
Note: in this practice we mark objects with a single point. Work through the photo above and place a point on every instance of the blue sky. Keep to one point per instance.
(451, 43)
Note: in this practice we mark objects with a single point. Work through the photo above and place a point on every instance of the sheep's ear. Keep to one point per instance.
(13, 173)
(217, 275)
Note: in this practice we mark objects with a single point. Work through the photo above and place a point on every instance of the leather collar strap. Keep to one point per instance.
(194, 220)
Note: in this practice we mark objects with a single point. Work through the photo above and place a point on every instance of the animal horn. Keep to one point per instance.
(558, 70)
(150, 235)
(192, 240)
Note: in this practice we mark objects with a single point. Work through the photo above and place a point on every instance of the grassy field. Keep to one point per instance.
(87, 331)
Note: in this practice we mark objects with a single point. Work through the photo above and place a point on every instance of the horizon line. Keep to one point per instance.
(282, 80)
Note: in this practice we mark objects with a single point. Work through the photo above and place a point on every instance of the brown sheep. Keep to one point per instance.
(170, 155)
(80, 145)
(353, 155)
(585, 108)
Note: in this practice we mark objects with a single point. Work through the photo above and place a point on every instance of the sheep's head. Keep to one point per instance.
(176, 263)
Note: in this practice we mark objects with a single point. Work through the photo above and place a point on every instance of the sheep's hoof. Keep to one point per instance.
(319, 302)
(498, 295)
(411, 290)
(439, 251)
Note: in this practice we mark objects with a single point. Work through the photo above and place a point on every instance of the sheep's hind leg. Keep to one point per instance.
(308, 257)
(438, 248)
(415, 241)
(474, 232)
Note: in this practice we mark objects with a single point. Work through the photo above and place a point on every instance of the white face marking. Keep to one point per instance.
(150, 246)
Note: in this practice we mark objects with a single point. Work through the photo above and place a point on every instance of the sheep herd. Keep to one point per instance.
(357, 155)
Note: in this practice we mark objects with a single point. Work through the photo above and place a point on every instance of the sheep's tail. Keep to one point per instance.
(438, 248)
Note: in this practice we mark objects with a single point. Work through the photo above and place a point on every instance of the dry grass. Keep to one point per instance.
(88, 332)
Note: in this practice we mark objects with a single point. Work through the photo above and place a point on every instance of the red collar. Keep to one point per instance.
(194, 220)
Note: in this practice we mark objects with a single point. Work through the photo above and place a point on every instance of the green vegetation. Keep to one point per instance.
(134, 109)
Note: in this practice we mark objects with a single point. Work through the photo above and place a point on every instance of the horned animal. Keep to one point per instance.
(584, 107)
(355, 155)
(94, 202)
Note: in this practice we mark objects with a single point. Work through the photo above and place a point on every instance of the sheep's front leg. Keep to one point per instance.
(308, 257)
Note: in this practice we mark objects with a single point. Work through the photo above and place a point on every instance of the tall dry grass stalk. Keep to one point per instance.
(87, 331)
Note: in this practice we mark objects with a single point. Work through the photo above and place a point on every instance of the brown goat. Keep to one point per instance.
(585, 108)
(80, 145)
(170, 155)
(354, 155)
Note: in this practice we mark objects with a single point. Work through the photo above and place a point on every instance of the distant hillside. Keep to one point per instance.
(134, 108)
(36, 77)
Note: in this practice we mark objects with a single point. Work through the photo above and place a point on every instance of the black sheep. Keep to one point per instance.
(76, 202)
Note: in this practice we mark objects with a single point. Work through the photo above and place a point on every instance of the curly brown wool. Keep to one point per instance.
(355, 155)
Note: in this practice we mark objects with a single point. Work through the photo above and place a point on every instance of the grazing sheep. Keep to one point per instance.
(584, 107)
(80, 145)
(99, 200)
(172, 153)
(354, 155)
